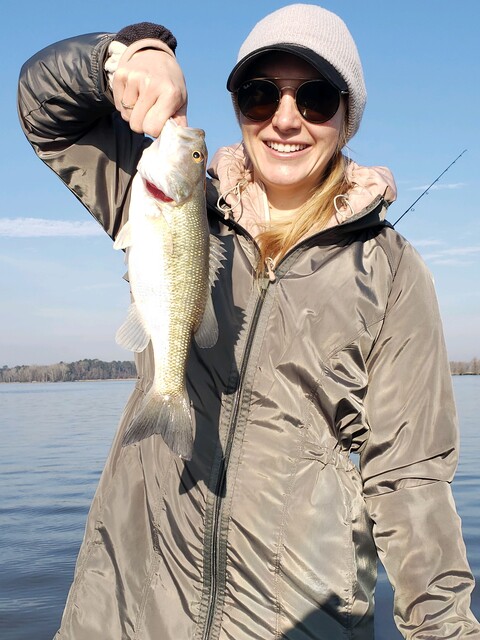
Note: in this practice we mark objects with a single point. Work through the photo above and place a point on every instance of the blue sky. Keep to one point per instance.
(61, 284)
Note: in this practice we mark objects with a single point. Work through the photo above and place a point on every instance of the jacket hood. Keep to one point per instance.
(243, 198)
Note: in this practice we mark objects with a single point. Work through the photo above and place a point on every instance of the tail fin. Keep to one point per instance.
(166, 416)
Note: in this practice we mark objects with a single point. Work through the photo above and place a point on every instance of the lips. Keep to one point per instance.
(282, 147)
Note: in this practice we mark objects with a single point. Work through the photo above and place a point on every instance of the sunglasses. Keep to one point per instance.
(317, 100)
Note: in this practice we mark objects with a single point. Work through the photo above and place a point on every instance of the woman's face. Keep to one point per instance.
(289, 154)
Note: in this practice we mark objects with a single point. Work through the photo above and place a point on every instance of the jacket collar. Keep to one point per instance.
(234, 192)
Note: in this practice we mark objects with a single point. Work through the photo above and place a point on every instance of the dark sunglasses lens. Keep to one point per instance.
(258, 99)
(318, 101)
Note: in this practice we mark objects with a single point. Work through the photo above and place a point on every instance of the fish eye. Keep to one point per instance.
(197, 156)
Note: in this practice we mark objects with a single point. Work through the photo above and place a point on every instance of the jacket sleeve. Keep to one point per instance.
(409, 461)
(67, 113)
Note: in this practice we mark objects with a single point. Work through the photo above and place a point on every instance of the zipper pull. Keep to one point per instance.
(269, 263)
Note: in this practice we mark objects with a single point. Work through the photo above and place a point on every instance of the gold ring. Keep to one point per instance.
(126, 106)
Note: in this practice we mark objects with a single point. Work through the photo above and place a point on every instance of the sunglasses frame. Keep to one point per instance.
(303, 81)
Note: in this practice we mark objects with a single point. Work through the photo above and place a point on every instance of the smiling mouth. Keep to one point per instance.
(285, 148)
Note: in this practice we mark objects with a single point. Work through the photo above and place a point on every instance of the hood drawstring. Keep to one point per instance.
(228, 209)
(341, 216)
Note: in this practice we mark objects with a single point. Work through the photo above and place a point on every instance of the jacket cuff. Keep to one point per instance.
(115, 52)
(145, 43)
(141, 30)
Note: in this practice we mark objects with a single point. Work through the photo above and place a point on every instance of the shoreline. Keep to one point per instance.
(460, 375)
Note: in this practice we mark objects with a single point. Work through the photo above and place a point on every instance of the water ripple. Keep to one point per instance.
(54, 441)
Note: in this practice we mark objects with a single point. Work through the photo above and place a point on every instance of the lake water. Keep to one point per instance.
(54, 439)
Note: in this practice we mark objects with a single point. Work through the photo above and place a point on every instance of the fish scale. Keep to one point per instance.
(189, 273)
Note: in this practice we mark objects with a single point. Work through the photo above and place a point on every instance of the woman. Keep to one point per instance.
(330, 343)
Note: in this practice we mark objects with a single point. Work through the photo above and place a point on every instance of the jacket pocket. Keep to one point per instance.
(326, 563)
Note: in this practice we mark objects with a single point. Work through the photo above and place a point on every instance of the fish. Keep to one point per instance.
(173, 262)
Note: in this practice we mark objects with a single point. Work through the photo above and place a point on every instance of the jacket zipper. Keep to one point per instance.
(214, 559)
(220, 484)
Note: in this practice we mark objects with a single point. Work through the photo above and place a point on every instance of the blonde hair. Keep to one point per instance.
(277, 240)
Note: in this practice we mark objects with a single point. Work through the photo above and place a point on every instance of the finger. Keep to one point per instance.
(153, 124)
(126, 109)
(129, 100)
(181, 116)
(180, 120)
(166, 106)
(124, 92)
(138, 115)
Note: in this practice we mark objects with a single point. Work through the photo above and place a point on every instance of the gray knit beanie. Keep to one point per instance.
(316, 35)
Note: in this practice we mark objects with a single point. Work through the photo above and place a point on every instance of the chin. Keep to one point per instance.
(285, 181)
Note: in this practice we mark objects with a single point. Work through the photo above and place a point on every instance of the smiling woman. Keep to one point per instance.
(293, 124)
(329, 343)
(289, 152)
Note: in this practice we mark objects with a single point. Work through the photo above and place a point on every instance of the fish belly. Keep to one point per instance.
(169, 279)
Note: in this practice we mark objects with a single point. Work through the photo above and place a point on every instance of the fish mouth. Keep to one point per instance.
(157, 193)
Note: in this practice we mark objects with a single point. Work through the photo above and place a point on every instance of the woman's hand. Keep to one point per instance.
(148, 89)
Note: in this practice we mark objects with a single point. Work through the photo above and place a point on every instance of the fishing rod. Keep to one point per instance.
(410, 208)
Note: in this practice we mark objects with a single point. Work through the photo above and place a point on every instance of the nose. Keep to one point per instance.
(287, 116)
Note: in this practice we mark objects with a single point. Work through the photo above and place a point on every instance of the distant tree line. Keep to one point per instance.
(123, 369)
(69, 371)
(471, 368)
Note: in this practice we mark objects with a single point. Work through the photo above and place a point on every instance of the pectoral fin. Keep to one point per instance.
(133, 335)
(124, 237)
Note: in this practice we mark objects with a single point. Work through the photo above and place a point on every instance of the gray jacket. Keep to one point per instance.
(270, 531)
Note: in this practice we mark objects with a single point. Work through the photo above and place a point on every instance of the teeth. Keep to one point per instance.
(286, 148)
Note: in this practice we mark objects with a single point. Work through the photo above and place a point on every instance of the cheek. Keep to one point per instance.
(329, 139)
(333, 141)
